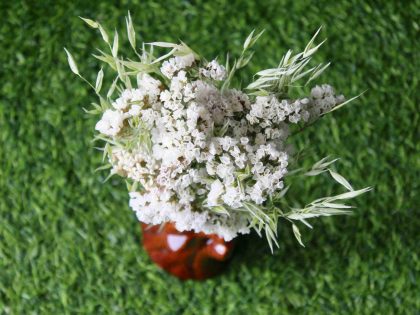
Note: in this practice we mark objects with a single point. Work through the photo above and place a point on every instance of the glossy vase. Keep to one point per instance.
(186, 255)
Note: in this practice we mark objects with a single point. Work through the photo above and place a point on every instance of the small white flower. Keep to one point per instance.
(184, 61)
(317, 92)
(244, 140)
(120, 103)
(135, 110)
(173, 65)
(216, 190)
(295, 118)
(214, 71)
(169, 68)
(111, 122)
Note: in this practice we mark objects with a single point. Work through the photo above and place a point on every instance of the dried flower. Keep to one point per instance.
(205, 156)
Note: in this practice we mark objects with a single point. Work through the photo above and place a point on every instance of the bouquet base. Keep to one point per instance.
(186, 255)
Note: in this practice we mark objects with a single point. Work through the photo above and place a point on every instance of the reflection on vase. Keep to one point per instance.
(186, 255)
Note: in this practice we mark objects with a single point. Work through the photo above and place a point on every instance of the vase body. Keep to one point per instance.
(186, 255)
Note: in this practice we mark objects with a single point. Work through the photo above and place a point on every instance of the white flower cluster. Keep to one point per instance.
(203, 155)
(214, 71)
(269, 111)
(208, 150)
(173, 65)
(323, 99)
(129, 104)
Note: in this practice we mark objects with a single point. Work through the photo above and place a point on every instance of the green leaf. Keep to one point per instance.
(351, 194)
(164, 44)
(341, 180)
(260, 93)
(283, 192)
(140, 66)
(256, 38)
(115, 45)
(99, 79)
(245, 61)
(220, 210)
(112, 88)
(309, 45)
(296, 232)
(302, 215)
(90, 22)
(72, 63)
(103, 167)
(314, 172)
(271, 238)
(130, 31)
(318, 71)
(164, 56)
(346, 102)
(104, 151)
(336, 205)
(248, 40)
(311, 51)
(251, 39)
(323, 163)
(104, 103)
(104, 34)
(107, 59)
(286, 57)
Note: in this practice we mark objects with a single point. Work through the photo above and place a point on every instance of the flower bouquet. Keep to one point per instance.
(208, 158)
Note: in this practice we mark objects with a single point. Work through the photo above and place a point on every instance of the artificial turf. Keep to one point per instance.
(70, 244)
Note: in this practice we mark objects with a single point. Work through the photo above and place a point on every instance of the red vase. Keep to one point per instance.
(186, 255)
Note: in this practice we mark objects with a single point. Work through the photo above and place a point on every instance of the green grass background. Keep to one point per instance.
(70, 245)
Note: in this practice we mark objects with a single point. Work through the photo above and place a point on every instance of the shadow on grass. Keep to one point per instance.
(334, 244)
(253, 251)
